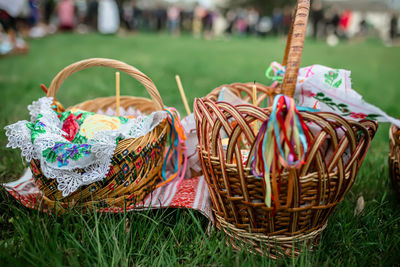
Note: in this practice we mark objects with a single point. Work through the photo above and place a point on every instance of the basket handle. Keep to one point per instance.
(294, 46)
(110, 63)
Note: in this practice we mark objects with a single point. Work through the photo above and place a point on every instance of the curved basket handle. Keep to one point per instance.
(294, 46)
(110, 63)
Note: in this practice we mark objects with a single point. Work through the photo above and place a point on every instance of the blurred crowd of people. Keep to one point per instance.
(37, 18)
(93, 15)
(334, 23)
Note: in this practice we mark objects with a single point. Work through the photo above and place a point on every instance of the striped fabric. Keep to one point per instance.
(191, 194)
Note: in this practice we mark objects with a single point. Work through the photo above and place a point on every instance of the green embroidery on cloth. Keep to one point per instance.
(344, 108)
(123, 120)
(331, 78)
(36, 128)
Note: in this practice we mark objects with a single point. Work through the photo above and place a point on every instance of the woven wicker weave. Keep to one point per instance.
(308, 195)
(394, 157)
(136, 163)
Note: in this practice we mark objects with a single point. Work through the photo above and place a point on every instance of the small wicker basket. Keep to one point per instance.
(137, 162)
(308, 195)
(394, 157)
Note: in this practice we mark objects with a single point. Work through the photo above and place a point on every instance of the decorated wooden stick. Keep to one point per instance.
(117, 92)
(184, 99)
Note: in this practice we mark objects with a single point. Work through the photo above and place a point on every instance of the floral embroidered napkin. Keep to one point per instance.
(330, 90)
(75, 147)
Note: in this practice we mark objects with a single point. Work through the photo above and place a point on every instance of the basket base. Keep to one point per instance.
(273, 247)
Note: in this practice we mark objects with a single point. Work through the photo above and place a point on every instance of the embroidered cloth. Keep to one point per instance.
(75, 147)
(191, 194)
(330, 90)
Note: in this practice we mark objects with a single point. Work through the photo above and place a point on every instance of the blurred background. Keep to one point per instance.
(331, 20)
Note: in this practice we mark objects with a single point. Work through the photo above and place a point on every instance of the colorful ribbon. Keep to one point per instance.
(281, 142)
(275, 72)
(177, 148)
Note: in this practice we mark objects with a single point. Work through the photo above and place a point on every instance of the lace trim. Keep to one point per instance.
(96, 165)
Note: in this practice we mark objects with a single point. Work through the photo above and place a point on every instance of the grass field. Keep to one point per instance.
(171, 237)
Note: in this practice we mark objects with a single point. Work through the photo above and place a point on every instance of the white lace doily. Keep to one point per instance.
(102, 145)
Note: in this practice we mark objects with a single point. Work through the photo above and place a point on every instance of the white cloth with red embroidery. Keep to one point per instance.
(330, 90)
(190, 193)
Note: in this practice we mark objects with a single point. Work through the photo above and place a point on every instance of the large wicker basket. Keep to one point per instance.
(136, 163)
(394, 157)
(308, 195)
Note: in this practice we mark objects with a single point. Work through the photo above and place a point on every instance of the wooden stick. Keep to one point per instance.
(254, 94)
(117, 95)
(183, 96)
(257, 125)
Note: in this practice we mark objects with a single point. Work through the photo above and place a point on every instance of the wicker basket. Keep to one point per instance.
(308, 195)
(136, 163)
(394, 156)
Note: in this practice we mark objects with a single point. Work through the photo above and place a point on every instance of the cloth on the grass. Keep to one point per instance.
(191, 194)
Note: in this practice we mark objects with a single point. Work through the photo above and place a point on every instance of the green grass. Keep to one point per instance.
(171, 237)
